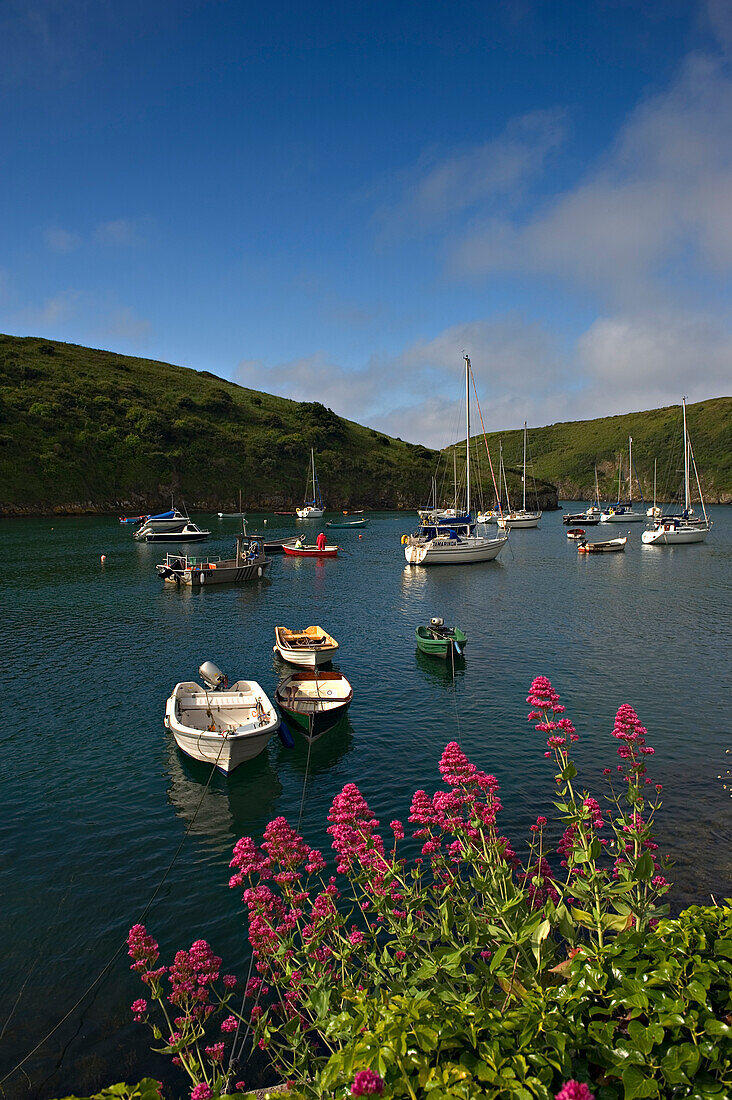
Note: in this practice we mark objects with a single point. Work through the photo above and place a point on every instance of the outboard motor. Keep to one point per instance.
(212, 676)
(437, 625)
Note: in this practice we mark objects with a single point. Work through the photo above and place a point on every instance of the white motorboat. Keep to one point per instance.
(623, 512)
(450, 539)
(171, 526)
(522, 517)
(607, 547)
(675, 530)
(218, 723)
(312, 509)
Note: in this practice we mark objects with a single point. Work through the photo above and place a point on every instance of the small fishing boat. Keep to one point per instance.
(353, 511)
(438, 640)
(576, 533)
(585, 547)
(218, 723)
(234, 515)
(347, 523)
(284, 513)
(303, 551)
(249, 563)
(314, 701)
(309, 647)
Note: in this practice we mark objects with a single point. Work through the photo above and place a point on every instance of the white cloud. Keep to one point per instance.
(121, 232)
(60, 240)
(124, 324)
(656, 213)
(496, 171)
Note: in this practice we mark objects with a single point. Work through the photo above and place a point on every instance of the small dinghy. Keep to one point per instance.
(219, 723)
(314, 701)
(576, 533)
(274, 546)
(585, 547)
(347, 523)
(309, 647)
(438, 640)
(302, 551)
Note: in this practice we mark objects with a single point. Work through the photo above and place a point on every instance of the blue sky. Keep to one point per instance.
(334, 201)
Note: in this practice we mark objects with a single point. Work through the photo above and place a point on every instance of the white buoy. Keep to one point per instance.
(265, 521)
(103, 557)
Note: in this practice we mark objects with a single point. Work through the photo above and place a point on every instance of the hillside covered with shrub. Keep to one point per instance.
(85, 430)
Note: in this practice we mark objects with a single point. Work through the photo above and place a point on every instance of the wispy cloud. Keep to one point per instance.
(496, 172)
(122, 232)
(61, 240)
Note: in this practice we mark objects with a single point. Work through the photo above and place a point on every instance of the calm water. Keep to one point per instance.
(97, 799)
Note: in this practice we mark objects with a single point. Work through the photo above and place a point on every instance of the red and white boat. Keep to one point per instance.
(310, 551)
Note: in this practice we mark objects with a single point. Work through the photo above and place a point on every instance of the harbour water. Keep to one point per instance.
(100, 808)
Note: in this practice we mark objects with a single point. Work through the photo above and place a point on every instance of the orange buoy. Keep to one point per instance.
(103, 557)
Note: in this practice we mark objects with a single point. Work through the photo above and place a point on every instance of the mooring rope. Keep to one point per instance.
(107, 967)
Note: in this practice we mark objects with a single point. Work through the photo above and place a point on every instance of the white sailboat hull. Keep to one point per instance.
(668, 535)
(622, 517)
(451, 552)
(310, 513)
(519, 519)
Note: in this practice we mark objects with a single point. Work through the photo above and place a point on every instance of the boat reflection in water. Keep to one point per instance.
(230, 803)
(328, 750)
(440, 672)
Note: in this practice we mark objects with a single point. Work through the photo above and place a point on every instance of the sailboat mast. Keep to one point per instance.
(312, 463)
(597, 490)
(630, 470)
(467, 436)
(524, 478)
(654, 487)
(686, 460)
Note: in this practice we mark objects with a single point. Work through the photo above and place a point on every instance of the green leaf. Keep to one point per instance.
(644, 868)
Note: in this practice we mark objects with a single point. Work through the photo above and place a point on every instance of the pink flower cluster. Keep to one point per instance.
(367, 1083)
(561, 730)
(191, 977)
(632, 735)
(575, 1090)
(353, 829)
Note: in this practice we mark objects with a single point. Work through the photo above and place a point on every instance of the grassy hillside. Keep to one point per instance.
(565, 454)
(85, 430)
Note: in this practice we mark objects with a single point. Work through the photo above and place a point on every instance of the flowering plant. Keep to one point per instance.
(467, 917)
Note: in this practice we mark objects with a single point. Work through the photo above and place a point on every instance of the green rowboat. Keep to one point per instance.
(438, 640)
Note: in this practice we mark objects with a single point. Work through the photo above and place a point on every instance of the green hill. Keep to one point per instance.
(84, 431)
(565, 455)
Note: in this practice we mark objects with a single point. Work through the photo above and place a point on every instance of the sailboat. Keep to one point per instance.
(590, 517)
(623, 513)
(493, 515)
(675, 529)
(451, 539)
(234, 515)
(312, 509)
(521, 518)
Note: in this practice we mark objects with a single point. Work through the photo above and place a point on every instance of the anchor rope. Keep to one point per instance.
(108, 965)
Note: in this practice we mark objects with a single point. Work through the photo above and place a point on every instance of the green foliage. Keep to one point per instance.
(650, 1016)
(147, 1089)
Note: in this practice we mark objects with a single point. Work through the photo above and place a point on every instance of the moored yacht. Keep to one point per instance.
(674, 530)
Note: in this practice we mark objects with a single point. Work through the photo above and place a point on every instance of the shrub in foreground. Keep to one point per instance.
(465, 970)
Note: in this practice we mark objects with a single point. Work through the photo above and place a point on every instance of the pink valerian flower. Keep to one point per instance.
(191, 976)
(201, 1092)
(632, 735)
(574, 1090)
(356, 937)
(215, 1052)
(142, 948)
(398, 830)
(229, 980)
(366, 1083)
(593, 806)
(138, 1007)
(659, 882)
(229, 1024)
(539, 882)
(353, 831)
(542, 695)
(250, 861)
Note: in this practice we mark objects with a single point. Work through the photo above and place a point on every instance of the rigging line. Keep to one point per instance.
(232, 1059)
(485, 440)
(311, 723)
(102, 973)
(454, 693)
